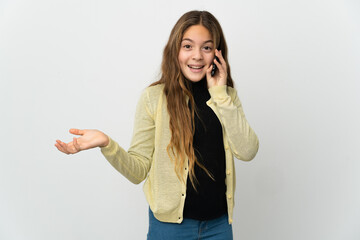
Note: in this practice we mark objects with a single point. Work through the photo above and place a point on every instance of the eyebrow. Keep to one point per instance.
(188, 39)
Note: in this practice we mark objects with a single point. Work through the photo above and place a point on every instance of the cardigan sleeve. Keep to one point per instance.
(241, 138)
(135, 163)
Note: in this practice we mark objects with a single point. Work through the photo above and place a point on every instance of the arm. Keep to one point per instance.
(135, 163)
(242, 139)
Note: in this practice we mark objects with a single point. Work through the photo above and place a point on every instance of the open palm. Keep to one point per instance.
(89, 138)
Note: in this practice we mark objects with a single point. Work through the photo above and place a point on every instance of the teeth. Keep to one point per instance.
(195, 67)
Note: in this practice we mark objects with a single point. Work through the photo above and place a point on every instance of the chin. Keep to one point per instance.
(195, 79)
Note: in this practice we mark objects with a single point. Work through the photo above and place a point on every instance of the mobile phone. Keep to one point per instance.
(214, 68)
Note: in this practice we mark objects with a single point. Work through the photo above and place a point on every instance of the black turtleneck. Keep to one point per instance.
(209, 201)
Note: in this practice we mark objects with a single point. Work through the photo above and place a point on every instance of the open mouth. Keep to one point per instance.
(196, 68)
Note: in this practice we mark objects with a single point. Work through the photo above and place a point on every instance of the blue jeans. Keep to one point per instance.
(190, 229)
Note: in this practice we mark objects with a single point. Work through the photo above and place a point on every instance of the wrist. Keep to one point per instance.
(106, 142)
(218, 92)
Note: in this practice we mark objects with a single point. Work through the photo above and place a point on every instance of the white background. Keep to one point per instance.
(83, 64)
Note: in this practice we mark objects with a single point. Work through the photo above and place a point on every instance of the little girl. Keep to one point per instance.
(189, 125)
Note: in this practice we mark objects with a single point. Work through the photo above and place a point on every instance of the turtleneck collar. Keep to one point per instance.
(196, 86)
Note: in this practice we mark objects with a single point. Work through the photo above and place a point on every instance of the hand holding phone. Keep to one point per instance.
(214, 68)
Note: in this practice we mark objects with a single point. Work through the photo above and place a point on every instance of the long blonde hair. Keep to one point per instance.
(176, 88)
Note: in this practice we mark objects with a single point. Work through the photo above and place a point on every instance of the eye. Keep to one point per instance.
(207, 48)
(187, 46)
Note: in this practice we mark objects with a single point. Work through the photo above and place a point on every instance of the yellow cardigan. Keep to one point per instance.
(147, 157)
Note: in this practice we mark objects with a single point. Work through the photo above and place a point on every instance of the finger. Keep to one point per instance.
(221, 59)
(222, 69)
(220, 56)
(219, 66)
(76, 131)
(208, 72)
(76, 145)
(61, 146)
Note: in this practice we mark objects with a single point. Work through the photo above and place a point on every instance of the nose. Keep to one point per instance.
(197, 55)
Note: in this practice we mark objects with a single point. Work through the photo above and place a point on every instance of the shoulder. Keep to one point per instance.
(150, 97)
(155, 90)
(152, 93)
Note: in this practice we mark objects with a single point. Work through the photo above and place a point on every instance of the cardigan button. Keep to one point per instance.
(229, 196)
(228, 172)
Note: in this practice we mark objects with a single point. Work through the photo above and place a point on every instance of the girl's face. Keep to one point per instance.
(196, 52)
